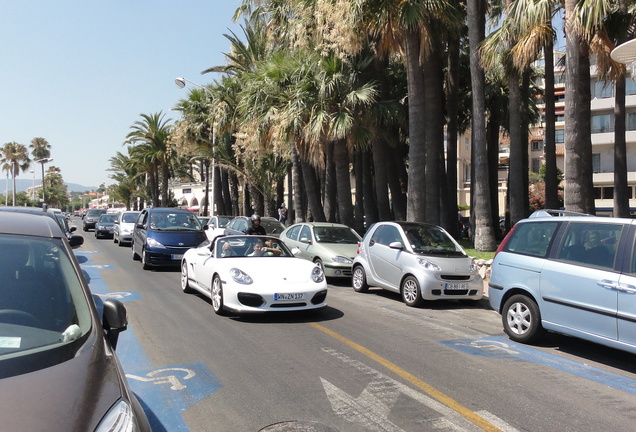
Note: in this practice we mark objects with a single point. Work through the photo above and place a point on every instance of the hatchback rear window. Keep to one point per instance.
(531, 238)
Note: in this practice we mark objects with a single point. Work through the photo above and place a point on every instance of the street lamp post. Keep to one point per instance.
(33, 188)
(43, 161)
(181, 83)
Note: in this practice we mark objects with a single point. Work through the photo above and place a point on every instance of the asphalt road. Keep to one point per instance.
(366, 363)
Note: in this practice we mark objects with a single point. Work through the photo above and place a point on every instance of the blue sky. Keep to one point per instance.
(80, 73)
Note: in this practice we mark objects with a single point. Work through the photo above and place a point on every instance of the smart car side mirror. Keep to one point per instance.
(396, 245)
(115, 320)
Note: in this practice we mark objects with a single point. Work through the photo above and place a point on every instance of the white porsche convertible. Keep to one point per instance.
(244, 274)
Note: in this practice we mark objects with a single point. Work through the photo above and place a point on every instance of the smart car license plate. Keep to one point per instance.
(456, 286)
(289, 296)
(176, 257)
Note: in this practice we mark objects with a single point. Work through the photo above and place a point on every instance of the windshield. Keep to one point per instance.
(430, 239)
(129, 217)
(161, 221)
(344, 235)
(272, 226)
(251, 246)
(43, 310)
(108, 218)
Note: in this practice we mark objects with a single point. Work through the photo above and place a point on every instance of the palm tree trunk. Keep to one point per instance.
(621, 189)
(331, 184)
(483, 237)
(341, 160)
(551, 174)
(416, 203)
(312, 189)
(297, 213)
(452, 108)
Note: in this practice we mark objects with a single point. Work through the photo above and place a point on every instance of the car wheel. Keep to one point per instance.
(135, 256)
(359, 280)
(115, 239)
(185, 284)
(217, 296)
(411, 292)
(521, 319)
(318, 262)
(144, 260)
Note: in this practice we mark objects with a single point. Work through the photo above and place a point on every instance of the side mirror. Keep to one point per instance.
(72, 229)
(76, 241)
(396, 245)
(140, 226)
(305, 240)
(115, 320)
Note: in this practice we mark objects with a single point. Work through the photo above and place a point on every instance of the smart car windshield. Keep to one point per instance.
(43, 310)
(430, 239)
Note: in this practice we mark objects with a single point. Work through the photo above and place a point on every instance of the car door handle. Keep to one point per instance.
(627, 289)
(608, 284)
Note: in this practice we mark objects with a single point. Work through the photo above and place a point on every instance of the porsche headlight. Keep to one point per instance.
(154, 243)
(341, 260)
(428, 265)
(317, 275)
(120, 418)
(240, 277)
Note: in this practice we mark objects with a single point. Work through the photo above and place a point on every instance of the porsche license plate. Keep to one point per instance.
(289, 296)
(456, 286)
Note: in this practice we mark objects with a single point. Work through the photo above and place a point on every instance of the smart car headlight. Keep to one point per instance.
(154, 243)
(473, 266)
(341, 260)
(317, 275)
(120, 418)
(240, 276)
(428, 265)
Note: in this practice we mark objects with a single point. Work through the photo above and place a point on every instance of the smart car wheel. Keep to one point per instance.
(411, 292)
(521, 319)
(217, 296)
(359, 280)
(185, 284)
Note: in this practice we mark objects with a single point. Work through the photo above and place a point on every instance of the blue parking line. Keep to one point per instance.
(503, 348)
(165, 392)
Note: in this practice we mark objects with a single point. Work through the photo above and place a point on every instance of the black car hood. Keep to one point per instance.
(71, 396)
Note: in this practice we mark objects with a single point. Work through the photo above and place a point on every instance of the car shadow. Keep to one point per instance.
(435, 304)
(327, 313)
(590, 351)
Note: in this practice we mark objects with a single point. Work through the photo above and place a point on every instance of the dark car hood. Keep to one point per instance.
(178, 238)
(71, 396)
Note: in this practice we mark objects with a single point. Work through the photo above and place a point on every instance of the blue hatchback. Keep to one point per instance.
(162, 235)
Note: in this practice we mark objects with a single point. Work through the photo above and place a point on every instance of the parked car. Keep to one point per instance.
(420, 261)
(124, 226)
(214, 225)
(571, 274)
(105, 225)
(91, 217)
(239, 225)
(74, 240)
(55, 350)
(162, 235)
(247, 274)
(332, 246)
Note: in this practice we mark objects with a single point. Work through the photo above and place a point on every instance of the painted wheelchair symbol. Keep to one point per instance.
(489, 345)
(155, 377)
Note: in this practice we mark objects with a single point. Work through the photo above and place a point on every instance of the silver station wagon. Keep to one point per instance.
(574, 275)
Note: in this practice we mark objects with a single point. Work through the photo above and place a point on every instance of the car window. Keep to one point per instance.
(245, 246)
(531, 238)
(293, 232)
(342, 235)
(129, 217)
(272, 226)
(222, 221)
(386, 234)
(429, 239)
(305, 233)
(177, 221)
(590, 243)
(42, 303)
(107, 218)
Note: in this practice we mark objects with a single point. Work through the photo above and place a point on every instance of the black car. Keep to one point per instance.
(91, 217)
(58, 368)
(162, 235)
(74, 240)
(105, 225)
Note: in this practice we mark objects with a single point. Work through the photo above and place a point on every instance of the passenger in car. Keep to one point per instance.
(596, 253)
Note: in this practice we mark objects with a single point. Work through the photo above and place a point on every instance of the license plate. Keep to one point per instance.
(176, 256)
(289, 296)
(455, 286)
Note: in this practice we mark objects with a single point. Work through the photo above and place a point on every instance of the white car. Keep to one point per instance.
(244, 274)
(124, 226)
(419, 261)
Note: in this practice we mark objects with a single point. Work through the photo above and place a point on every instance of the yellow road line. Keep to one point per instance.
(430, 390)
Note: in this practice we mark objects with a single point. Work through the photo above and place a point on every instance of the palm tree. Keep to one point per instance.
(14, 158)
(153, 151)
(483, 236)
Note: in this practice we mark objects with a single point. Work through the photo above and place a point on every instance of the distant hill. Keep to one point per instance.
(24, 184)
